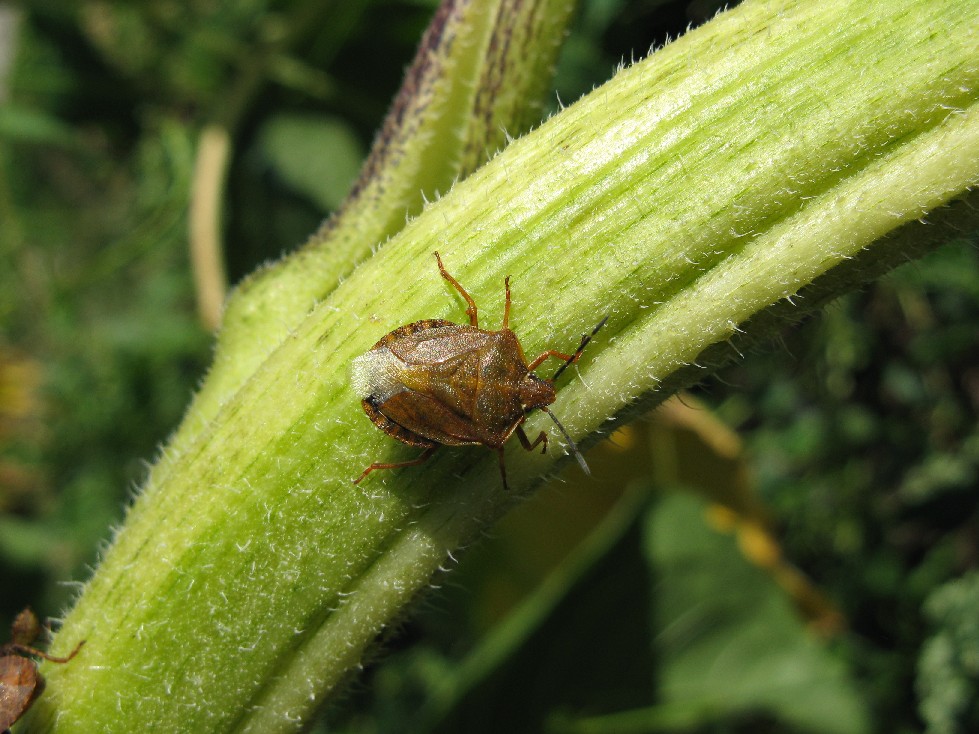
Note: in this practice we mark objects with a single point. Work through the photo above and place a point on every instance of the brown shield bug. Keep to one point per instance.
(20, 683)
(435, 383)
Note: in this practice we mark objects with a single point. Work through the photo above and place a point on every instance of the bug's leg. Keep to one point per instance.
(425, 455)
(568, 358)
(499, 453)
(506, 305)
(525, 442)
(471, 310)
(552, 353)
(28, 650)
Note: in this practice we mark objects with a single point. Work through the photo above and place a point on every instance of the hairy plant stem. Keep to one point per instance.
(689, 195)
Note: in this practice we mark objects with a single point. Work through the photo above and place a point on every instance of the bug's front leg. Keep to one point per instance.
(568, 358)
(425, 455)
(525, 441)
(552, 353)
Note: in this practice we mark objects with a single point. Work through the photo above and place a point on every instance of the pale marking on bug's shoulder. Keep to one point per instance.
(446, 343)
(377, 374)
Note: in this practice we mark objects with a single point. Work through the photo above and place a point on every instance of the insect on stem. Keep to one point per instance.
(20, 681)
(435, 383)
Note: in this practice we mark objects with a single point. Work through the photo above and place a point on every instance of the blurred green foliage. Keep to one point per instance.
(597, 607)
(948, 671)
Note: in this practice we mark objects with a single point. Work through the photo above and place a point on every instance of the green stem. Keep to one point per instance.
(481, 69)
(684, 198)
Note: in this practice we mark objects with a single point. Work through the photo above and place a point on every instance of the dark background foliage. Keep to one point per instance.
(859, 427)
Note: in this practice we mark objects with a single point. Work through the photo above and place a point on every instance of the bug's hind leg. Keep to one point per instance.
(425, 456)
(471, 309)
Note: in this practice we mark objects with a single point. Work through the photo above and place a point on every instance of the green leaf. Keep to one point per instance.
(316, 156)
(728, 640)
(575, 642)
(20, 124)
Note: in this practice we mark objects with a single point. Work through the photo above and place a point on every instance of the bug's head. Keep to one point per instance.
(538, 393)
(535, 392)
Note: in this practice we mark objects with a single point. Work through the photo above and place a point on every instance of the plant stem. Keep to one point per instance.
(683, 198)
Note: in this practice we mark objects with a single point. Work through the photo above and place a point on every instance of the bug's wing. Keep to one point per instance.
(474, 374)
(447, 365)
(437, 358)
(415, 360)
(428, 417)
(434, 345)
(408, 329)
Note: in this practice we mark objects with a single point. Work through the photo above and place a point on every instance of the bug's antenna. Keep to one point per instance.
(577, 352)
(571, 443)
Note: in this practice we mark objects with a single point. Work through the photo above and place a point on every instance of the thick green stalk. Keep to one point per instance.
(688, 195)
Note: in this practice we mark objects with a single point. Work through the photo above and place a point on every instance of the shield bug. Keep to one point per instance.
(20, 683)
(435, 383)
